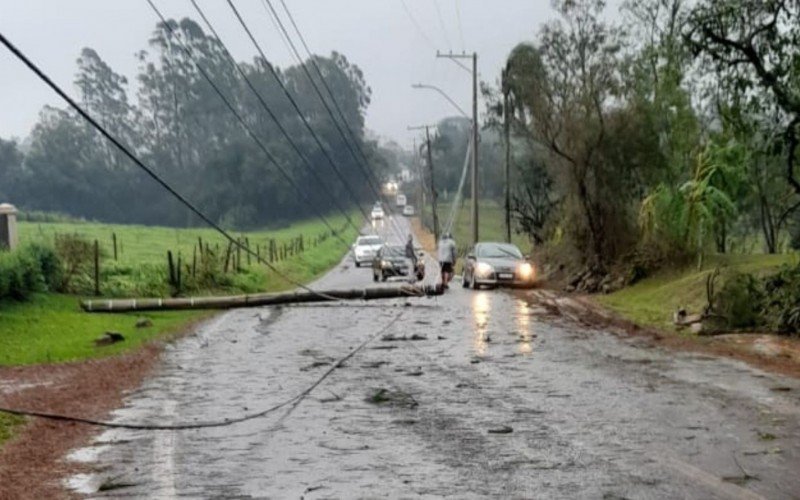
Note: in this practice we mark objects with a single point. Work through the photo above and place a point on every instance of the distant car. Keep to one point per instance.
(365, 248)
(391, 261)
(408, 210)
(496, 264)
(377, 213)
(401, 200)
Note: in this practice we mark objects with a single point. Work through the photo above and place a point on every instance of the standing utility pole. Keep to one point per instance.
(506, 130)
(475, 130)
(433, 184)
(433, 187)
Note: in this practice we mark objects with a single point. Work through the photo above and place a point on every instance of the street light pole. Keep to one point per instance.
(474, 57)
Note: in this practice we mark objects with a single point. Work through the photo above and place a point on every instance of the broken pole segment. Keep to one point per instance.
(257, 299)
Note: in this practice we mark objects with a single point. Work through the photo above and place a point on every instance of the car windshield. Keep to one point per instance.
(369, 240)
(394, 251)
(498, 250)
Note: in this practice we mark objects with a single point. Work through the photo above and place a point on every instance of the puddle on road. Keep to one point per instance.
(481, 307)
(482, 304)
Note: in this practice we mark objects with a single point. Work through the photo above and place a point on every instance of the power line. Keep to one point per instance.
(362, 162)
(243, 122)
(441, 25)
(458, 22)
(139, 163)
(424, 35)
(293, 102)
(269, 111)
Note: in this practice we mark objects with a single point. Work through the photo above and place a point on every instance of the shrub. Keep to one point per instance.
(740, 301)
(782, 302)
(29, 269)
(76, 254)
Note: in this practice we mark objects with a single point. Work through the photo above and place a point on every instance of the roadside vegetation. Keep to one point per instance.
(653, 301)
(649, 151)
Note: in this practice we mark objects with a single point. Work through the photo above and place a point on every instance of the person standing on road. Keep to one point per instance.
(411, 255)
(447, 258)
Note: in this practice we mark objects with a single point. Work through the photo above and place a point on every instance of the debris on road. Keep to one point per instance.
(390, 337)
(501, 430)
(398, 398)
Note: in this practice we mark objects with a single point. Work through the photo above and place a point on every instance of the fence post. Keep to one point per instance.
(239, 255)
(114, 239)
(178, 276)
(247, 243)
(96, 268)
(171, 267)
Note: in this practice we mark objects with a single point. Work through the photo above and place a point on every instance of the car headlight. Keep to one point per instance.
(386, 263)
(483, 268)
(526, 271)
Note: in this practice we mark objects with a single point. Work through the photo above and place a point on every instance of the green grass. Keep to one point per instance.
(149, 244)
(51, 328)
(652, 301)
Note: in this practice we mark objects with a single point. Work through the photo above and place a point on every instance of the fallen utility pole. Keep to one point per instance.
(258, 299)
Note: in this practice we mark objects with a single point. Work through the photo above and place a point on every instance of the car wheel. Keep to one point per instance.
(383, 277)
(358, 264)
(374, 276)
(475, 285)
(464, 280)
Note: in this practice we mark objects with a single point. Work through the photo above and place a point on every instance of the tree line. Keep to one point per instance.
(181, 127)
(662, 136)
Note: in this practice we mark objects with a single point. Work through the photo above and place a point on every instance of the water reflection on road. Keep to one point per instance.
(481, 308)
(522, 315)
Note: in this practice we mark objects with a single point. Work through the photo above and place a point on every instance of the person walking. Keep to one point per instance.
(447, 258)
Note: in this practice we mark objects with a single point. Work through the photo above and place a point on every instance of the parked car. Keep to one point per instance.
(377, 213)
(408, 210)
(496, 264)
(391, 261)
(365, 248)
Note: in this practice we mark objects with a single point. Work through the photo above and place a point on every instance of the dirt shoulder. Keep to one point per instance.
(771, 353)
(31, 462)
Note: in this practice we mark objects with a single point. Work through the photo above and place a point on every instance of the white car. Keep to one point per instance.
(408, 210)
(377, 213)
(365, 248)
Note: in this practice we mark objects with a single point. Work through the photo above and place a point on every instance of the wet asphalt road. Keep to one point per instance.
(591, 415)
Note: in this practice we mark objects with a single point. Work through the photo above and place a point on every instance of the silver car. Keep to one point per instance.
(496, 264)
(365, 248)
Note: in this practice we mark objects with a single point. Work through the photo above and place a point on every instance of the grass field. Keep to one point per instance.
(652, 301)
(149, 244)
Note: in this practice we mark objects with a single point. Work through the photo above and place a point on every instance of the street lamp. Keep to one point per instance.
(443, 94)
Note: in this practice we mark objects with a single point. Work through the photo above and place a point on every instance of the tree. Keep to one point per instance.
(753, 45)
(571, 78)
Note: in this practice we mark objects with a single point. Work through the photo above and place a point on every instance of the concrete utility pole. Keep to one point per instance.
(433, 183)
(475, 130)
(433, 186)
(506, 130)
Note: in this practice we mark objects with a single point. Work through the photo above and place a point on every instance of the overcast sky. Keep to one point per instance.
(380, 36)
